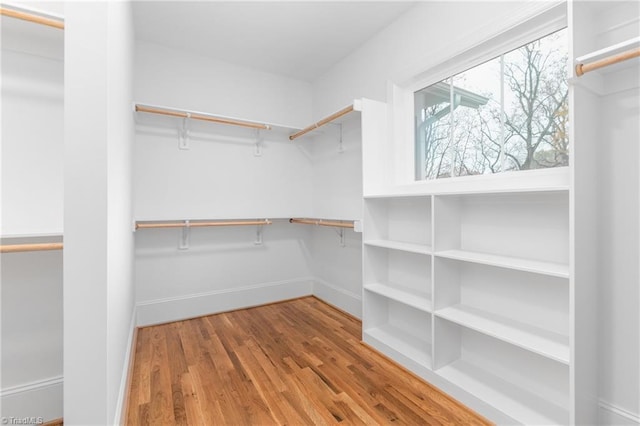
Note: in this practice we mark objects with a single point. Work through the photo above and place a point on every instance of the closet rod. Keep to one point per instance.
(200, 116)
(321, 222)
(322, 122)
(25, 16)
(202, 224)
(581, 69)
(16, 248)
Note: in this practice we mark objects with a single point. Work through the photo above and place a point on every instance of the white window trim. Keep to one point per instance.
(520, 31)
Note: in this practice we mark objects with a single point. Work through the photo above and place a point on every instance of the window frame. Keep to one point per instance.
(401, 95)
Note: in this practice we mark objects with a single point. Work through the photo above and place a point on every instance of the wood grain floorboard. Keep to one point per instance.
(298, 362)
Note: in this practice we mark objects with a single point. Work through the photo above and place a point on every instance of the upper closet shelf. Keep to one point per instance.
(334, 118)
(32, 16)
(195, 115)
(619, 55)
(508, 262)
(594, 70)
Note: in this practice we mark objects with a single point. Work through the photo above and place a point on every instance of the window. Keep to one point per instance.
(509, 113)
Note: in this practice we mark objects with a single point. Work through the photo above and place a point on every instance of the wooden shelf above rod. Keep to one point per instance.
(322, 222)
(199, 116)
(17, 248)
(32, 17)
(188, 224)
(324, 121)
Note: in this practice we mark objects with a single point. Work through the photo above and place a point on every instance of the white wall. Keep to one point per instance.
(425, 36)
(619, 293)
(337, 194)
(218, 177)
(31, 198)
(120, 255)
(32, 131)
(170, 77)
(98, 284)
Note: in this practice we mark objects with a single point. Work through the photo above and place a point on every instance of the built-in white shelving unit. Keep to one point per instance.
(481, 280)
(499, 276)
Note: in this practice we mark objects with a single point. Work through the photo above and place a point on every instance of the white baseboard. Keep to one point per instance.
(610, 414)
(42, 398)
(194, 305)
(338, 297)
(124, 381)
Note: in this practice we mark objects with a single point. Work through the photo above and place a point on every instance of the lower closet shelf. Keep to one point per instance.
(399, 341)
(411, 298)
(541, 342)
(515, 401)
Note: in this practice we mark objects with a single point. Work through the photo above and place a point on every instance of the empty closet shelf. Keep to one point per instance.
(398, 245)
(621, 53)
(203, 116)
(40, 18)
(515, 400)
(324, 222)
(355, 106)
(519, 264)
(417, 300)
(401, 342)
(542, 342)
(188, 224)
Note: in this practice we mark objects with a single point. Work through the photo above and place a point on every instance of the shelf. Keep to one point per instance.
(397, 245)
(612, 50)
(519, 264)
(406, 296)
(399, 341)
(515, 401)
(541, 342)
(336, 117)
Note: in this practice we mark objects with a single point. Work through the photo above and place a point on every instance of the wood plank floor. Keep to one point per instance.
(298, 362)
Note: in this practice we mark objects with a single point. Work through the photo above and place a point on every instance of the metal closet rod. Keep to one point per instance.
(581, 69)
(322, 122)
(25, 16)
(17, 248)
(200, 116)
(322, 222)
(203, 224)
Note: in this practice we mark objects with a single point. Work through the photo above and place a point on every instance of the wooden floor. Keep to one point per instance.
(297, 363)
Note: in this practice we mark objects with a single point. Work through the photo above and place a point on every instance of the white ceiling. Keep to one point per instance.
(296, 39)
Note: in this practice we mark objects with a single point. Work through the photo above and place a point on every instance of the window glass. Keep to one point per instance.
(509, 113)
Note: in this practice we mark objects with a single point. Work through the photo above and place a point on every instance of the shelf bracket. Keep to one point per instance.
(258, 240)
(340, 233)
(185, 236)
(340, 145)
(183, 134)
(258, 151)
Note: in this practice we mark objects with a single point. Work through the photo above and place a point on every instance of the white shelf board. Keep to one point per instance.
(609, 50)
(515, 401)
(519, 264)
(403, 343)
(54, 234)
(398, 245)
(542, 342)
(420, 301)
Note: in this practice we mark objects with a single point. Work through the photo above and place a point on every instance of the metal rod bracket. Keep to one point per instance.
(258, 240)
(258, 150)
(183, 136)
(185, 236)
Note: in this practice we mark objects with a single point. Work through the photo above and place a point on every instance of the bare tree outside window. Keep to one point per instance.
(509, 113)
